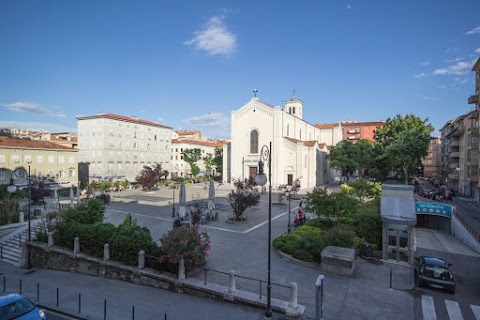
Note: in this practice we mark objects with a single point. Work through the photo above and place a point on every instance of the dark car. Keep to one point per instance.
(434, 272)
(16, 306)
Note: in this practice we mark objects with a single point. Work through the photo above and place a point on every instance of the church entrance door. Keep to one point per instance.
(289, 179)
(253, 172)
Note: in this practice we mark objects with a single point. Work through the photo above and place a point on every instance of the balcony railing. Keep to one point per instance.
(473, 99)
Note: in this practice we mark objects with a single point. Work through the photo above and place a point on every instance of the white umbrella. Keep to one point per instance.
(211, 196)
(93, 192)
(182, 200)
(78, 193)
(71, 198)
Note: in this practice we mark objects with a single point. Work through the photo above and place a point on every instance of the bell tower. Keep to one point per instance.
(294, 106)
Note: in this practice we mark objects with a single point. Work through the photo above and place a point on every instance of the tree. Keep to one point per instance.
(365, 158)
(362, 189)
(322, 203)
(218, 159)
(242, 198)
(343, 157)
(147, 178)
(392, 149)
(208, 160)
(191, 156)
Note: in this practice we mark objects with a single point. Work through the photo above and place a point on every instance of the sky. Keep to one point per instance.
(189, 64)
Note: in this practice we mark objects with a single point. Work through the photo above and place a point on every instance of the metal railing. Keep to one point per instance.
(474, 233)
(248, 284)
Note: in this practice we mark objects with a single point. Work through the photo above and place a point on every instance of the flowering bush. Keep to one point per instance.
(185, 243)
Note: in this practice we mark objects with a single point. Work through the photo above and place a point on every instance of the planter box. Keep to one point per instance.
(338, 260)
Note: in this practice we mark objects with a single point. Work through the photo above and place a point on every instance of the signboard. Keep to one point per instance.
(431, 208)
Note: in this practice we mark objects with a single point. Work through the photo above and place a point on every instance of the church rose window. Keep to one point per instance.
(254, 141)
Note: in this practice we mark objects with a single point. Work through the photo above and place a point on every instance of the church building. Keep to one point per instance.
(299, 149)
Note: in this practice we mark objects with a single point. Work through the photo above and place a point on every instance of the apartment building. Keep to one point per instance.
(432, 162)
(183, 140)
(354, 131)
(115, 147)
(46, 160)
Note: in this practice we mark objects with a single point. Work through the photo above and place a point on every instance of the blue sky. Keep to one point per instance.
(188, 64)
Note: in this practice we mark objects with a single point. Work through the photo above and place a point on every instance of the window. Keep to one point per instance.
(293, 110)
(71, 160)
(27, 159)
(254, 141)
(61, 174)
(71, 172)
(2, 175)
(39, 173)
(61, 159)
(2, 158)
(15, 159)
(39, 159)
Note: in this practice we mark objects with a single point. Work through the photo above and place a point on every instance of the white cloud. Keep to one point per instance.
(477, 51)
(214, 125)
(460, 68)
(160, 119)
(420, 75)
(473, 31)
(425, 63)
(462, 80)
(430, 99)
(32, 107)
(37, 126)
(455, 60)
(214, 38)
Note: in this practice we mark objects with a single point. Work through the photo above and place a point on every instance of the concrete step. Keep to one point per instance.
(11, 249)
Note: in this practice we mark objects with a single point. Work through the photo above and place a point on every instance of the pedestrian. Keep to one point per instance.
(129, 217)
(301, 203)
(301, 216)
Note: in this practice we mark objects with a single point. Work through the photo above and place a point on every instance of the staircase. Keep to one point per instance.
(11, 248)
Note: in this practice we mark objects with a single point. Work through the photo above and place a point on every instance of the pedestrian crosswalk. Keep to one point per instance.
(453, 308)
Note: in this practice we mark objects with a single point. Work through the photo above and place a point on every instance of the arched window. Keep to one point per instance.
(254, 141)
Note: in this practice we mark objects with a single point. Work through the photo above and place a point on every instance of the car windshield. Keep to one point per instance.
(16, 309)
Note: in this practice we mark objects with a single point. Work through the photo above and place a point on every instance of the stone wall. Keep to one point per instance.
(57, 258)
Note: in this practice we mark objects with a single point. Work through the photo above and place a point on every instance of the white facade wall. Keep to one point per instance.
(181, 168)
(276, 125)
(119, 149)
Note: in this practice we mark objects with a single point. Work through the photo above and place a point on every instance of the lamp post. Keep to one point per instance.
(173, 203)
(12, 188)
(289, 229)
(261, 179)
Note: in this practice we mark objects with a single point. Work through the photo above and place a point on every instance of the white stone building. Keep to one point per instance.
(117, 147)
(299, 149)
(190, 140)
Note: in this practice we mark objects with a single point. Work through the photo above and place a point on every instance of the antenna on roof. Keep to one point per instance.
(294, 92)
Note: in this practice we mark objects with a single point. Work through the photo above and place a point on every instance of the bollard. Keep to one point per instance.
(319, 297)
(293, 296)
(38, 292)
(57, 297)
(181, 270)
(231, 278)
(4, 283)
(21, 217)
(20, 285)
(141, 259)
(79, 303)
(106, 252)
(1, 252)
(133, 312)
(50, 239)
(105, 309)
(391, 279)
(76, 245)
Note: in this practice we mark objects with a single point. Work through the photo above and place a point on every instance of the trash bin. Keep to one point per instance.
(366, 250)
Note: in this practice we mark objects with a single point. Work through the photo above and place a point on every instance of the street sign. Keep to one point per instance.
(443, 210)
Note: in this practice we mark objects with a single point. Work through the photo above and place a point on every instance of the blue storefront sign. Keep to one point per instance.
(437, 209)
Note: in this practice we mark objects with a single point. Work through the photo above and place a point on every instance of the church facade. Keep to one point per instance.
(299, 149)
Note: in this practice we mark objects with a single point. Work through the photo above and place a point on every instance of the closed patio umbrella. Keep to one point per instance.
(78, 193)
(211, 196)
(182, 200)
(71, 198)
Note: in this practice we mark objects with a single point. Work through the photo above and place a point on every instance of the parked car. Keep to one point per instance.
(16, 306)
(434, 272)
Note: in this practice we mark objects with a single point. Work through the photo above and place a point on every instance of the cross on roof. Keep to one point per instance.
(255, 91)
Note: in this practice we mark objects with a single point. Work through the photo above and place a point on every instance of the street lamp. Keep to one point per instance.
(287, 192)
(261, 179)
(12, 188)
(173, 203)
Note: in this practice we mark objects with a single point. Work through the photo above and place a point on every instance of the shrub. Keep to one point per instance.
(185, 243)
(340, 237)
(105, 197)
(129, 238)
(89, 213)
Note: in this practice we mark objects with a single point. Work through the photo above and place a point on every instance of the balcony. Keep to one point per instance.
(453, 165)
(473, 114)
(454, 143)
(475, 131)
(454, 155)
(473, 99)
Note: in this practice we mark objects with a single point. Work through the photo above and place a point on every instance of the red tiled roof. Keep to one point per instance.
(34, 144)
(362, 124)
(201, 143)
(326, 125)
(124, 118)
(186, 133)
